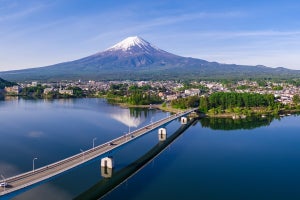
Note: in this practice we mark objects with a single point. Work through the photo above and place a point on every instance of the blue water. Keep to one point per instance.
(262, 163)
(205, 162)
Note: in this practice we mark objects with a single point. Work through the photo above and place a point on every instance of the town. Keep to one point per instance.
(285, 93)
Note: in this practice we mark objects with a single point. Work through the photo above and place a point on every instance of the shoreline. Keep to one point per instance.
(152, 106)
(259, 112)
(222, 115)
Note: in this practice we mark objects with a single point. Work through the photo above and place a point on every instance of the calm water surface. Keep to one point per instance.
(213, 159)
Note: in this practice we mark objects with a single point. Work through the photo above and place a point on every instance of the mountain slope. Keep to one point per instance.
(135, 58)
(4, 83)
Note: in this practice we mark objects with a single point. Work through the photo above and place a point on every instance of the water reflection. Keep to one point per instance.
(138, 112)
(9, 98)
(46, 191)
(131, 117)
(106, 172)
(124, 117)
(234, 124)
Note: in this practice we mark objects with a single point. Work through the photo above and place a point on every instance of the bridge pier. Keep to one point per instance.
(183, 120)
(162, 134)
(107, 162)
(107, 165)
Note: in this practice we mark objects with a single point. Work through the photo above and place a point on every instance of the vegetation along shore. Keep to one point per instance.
(237, 99)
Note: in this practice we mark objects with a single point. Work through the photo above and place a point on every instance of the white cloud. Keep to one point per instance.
(16, 13)
(35, 134)
(162, 21)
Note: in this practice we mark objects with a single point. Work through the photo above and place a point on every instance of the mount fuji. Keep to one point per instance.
(136, 59)
(133, 53)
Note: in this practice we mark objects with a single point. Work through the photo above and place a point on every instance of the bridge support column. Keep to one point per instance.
(107, 165)
(107, 162)
(162, 134)
(183, 120)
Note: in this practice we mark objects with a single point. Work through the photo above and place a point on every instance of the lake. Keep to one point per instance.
(253, 158)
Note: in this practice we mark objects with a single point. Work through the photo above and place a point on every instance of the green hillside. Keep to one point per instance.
(4, 83)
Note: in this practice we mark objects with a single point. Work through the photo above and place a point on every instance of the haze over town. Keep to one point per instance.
(40, 33)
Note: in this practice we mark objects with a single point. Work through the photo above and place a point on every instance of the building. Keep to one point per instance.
(14, 90)
(171, 97)
(34, 83)
(63, 91)
(192, 92)
(48, 90)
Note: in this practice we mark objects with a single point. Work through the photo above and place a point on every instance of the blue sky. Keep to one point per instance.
(37, 33)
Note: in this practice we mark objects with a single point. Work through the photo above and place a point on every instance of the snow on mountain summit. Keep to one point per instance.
(132, 42)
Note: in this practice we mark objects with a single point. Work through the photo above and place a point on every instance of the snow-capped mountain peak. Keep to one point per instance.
(131, 42)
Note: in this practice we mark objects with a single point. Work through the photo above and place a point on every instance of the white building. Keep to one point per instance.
(62, 91)
(15, 90)
(192, 92)
(48, 90)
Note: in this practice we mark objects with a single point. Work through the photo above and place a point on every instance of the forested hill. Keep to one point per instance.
(4, 83)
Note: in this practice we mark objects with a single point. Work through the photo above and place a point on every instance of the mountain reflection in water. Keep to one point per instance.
(131, 117)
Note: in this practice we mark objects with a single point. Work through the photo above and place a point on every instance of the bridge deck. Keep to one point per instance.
(32, 177)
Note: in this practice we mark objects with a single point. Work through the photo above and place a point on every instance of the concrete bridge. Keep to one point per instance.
(113, 179)
(36, 176)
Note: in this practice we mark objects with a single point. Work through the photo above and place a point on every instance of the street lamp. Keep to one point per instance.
(94, 142)
(33, 164)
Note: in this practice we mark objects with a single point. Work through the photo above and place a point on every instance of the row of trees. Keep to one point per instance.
(141, 98)
(183, 103)
(134, 94)
(228, 100)
(141, 95)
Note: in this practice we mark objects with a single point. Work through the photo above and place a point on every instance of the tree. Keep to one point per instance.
(77, 92)
(192, 102)
(226, 100)
(203, 107)
(296, 99)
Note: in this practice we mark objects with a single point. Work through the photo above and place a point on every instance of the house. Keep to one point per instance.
(34, 83)
(48, 90)
(192, 92)
(171, 97)
(63, 91)
(14, 90)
